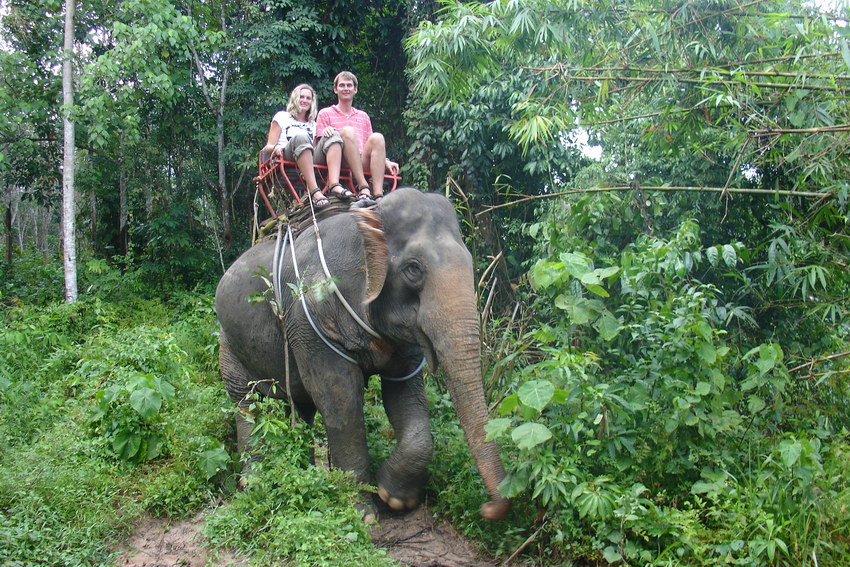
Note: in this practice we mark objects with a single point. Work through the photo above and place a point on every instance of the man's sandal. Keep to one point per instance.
(377, 198)
(340, 192)
(321, 200)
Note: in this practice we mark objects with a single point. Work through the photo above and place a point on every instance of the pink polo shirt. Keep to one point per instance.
(359, 120)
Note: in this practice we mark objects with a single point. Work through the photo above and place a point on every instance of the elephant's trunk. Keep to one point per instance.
(454, 331)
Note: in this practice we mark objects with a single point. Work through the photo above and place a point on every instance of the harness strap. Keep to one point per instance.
(277, 262)
(404, 378)
(333, 347)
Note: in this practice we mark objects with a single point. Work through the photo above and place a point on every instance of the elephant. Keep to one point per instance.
(400, 267)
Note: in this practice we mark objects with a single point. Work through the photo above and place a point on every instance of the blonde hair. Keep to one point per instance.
(293, 107)
(346, 75)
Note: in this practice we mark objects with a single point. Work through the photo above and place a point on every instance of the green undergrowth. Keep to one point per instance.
(290, 511)
(652, 409)
(108, 409)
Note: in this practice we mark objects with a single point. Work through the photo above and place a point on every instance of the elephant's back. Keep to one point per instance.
(248, 325)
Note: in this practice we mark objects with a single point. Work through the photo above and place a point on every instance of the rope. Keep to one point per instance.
(277, 263)
(307, 311)
(408, 377)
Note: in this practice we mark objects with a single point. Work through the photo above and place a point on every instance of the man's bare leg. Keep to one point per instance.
(351, 157)
(333, 160)
(375, 159)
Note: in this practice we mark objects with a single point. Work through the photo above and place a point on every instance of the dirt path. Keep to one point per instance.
(413, 539)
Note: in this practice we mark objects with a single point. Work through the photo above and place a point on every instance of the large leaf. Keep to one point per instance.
(126, 444)
(496, 427)
(536, 393)
(146, 401)
(707, 353)
(608, 326)
(580, 310)
(790, 452)
(576, 264)
(213, 460)
(529, 435)
(545, 274)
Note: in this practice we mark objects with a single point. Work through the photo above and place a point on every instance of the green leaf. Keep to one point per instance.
(529, 435)
(707, 353)
(730, 256)
(608, 326)
(576, 264)
(546, 274)
(611, 554)
(509, 404)
(126, 444)
(146, 401)
(497, 427)
(755, 404)
(536, 393)
(713, 255)
(597, 289)
(214, 460)
(790, 452)
(702, 389)
(580, 310)
(513, 484)
(845, 53)
(560, 396)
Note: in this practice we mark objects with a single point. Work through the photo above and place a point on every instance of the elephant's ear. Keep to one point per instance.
(377, 252)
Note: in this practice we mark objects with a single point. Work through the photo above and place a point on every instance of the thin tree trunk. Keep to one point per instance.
(43, 230)
(93, 220)
(123, 215)
(227, 236)
(9, 233)
(68, 212)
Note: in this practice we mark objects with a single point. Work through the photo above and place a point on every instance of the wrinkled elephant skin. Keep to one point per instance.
(404, 269)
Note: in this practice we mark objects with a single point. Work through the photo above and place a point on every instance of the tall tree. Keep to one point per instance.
(69, 241)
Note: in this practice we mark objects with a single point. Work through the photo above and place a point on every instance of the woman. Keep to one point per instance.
(291, 135)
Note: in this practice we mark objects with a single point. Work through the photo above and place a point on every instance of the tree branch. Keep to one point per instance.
(807, 194)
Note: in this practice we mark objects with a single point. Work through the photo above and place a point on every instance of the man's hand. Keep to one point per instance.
(392, 166)
(328, 132)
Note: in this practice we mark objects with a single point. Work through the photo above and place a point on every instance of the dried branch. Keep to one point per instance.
(814, 361)
(807, 194)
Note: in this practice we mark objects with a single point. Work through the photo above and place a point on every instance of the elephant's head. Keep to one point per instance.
(421, 290)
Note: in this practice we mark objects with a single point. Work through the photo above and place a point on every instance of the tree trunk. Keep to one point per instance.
(43, 230)
(93, 220)
(68, 200)
(227, 236)
(123, 215)
(9, 233)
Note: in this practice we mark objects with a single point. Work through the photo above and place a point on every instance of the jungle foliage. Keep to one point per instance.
(666, 335)
(671, 382)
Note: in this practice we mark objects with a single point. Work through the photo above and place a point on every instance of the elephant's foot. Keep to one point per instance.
(397, 504)
(367, 508)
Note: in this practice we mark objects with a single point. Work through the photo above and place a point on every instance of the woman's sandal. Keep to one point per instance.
(341, 192)
(321, 200)
(364, 193)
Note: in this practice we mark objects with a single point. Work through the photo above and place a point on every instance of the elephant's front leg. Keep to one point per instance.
(338, 394)
(402, 477)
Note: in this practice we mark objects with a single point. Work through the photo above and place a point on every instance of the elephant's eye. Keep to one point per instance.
(413, 272)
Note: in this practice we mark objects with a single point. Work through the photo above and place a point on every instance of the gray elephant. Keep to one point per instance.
(403, 271)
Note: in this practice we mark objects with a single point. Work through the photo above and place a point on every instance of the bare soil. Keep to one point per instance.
(413, 538)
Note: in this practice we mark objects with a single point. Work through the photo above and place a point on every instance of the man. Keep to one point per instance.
(363, 149)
